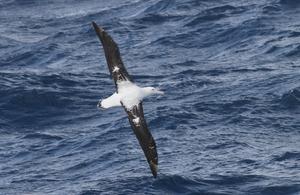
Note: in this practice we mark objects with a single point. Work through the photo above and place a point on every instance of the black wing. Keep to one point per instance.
(115, 65)
(139, 126)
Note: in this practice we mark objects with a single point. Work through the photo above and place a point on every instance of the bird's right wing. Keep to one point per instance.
(139, 126)
(112, 54)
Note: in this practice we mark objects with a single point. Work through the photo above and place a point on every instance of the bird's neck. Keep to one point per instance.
(146, 91)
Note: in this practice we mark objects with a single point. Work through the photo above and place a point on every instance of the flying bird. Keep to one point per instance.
(130, 96)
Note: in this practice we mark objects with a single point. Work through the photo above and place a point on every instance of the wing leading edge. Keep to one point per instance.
(140, 128)
(112, 54)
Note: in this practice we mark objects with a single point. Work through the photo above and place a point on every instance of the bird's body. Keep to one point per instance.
(130, 96)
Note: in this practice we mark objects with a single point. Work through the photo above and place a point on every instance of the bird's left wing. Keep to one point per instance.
(139, 126)
(112, 54)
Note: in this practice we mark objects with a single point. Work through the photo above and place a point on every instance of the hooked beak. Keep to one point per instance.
(158, 91)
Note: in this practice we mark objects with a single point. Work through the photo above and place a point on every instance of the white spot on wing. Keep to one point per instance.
(136, 121)
(116, 69)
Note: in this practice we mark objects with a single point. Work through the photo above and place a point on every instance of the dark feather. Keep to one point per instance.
(144, 136)
(112, 55)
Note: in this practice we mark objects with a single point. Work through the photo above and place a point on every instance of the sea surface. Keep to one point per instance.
(229, 122)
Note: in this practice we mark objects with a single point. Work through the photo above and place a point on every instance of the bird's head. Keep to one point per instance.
(153, 90)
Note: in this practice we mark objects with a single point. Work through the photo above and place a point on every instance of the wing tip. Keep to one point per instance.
(96, 27)
(153, 168)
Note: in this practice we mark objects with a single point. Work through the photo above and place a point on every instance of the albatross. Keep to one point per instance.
(128, 95)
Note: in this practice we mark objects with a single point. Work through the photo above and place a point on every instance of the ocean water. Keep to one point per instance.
(229, 122)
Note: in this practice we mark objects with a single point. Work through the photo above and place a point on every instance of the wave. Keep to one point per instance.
(289, 2)
(176, 184)
(291, 99)
(42, 136)
(280, 189)
(227, 145)
(154, 19)
(288, 156)
(213, 14)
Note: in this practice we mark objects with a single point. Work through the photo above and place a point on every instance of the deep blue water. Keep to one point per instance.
(229, 122)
